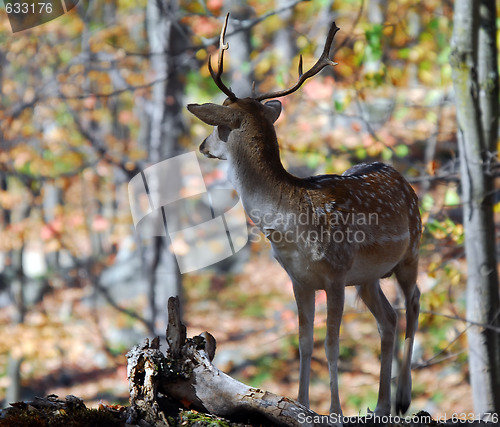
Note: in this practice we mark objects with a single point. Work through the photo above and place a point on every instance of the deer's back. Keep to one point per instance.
(361, 224)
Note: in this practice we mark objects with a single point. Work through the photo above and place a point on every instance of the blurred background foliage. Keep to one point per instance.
(76, 93)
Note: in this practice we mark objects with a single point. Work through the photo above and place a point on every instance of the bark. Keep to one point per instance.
(475, 154)
(489, 106)
(488, 72)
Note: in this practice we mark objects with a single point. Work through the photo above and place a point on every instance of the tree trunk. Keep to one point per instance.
(475, 103)
(165, 128)
(17, 283)
(489, 105)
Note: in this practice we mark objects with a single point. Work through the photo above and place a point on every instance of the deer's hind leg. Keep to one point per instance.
(406, 274)
(386, 318)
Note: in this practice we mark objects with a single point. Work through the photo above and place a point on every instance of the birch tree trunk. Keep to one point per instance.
(164, 129)
(475, 81)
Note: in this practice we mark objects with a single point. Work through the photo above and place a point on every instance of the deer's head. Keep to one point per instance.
(243, 120)
(233, 121)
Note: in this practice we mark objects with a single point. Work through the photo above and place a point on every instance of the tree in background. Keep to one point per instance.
(475, 80)
(162, 128)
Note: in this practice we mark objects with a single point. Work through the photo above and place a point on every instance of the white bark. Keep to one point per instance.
(482, 281)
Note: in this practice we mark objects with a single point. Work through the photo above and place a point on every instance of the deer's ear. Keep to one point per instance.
(274, 108)
(215, 115)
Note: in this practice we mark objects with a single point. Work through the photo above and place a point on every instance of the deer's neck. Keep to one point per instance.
(258, 175)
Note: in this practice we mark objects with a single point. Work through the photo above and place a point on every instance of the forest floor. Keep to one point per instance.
(253, 318)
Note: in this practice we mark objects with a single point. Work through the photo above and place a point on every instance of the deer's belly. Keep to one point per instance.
(318, 266)
(362, 271)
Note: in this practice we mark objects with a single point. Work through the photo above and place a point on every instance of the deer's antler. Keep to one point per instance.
(217, 76)
(322, 62)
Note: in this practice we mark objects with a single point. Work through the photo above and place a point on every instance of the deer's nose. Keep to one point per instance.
(204, 149)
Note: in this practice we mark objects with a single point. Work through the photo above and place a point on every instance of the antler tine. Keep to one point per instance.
(322, 62)
(216, 77)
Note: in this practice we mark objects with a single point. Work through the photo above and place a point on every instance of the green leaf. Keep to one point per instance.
(361, 153)
(339, 106)
(451, 198)
(386, 154)
(374, 40)
(427, 202)
(401, 113)
(313, 160)
(404, 53)
(280, 79)
(401, 150)
(444, 56)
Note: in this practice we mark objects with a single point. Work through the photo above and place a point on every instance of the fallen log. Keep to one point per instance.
(185, 374)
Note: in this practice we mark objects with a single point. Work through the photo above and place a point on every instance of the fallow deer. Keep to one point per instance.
(326, 231)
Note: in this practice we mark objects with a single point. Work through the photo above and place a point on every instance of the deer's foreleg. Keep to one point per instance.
(335, 308)
(305, 308)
